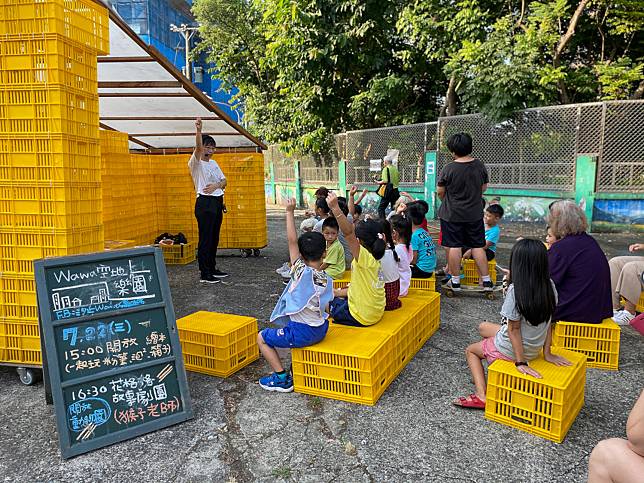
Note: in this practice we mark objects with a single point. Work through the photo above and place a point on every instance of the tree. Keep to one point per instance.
(308, 69)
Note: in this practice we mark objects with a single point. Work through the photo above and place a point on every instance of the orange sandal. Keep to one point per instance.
(472, 401)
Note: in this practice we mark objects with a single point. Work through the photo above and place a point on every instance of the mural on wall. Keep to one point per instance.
(269, 193)
(518, 208)
(284, 192)
(618, 215)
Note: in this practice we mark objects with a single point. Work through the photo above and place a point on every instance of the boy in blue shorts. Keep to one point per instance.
(424, 249)
(491, 218)
(302, 308)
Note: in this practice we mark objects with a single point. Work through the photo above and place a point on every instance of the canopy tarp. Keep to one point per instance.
(145, 95)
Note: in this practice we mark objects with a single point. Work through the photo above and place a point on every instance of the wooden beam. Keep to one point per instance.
(143, 94)
(141, 58)
(137, 84)
(106, 127)
(171, 134)
(160, 118)
(246, 149)
(139, 142)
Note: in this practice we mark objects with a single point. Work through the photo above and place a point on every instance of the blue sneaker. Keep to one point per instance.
(273, 382)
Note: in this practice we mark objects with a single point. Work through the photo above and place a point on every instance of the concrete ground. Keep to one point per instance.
(241, 433)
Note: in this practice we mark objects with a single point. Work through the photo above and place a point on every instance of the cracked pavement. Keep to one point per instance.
(241, 433)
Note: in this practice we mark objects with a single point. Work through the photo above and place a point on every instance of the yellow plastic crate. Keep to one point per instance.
(19, 342)
(47, 60)
(545, 407)
(178, 254)
(598, 342)
(18, 297)
(114, 143)
(119, 244)
(48, 158)
(217, 344)
(18, 248)
(41, 110)
(640, 303)
(351, 364)
(415, 283)
(430, 314)
(470, 275)
(83, 21)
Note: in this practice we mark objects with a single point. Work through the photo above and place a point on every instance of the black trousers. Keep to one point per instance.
(385, 201)
(209, 214)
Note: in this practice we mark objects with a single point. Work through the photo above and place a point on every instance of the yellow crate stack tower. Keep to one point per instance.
(50, 173)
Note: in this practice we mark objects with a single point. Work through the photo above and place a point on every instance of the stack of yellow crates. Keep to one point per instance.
(176, 196)
(115, 162)
(50, 192)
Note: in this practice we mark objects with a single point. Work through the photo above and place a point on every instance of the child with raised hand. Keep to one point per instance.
(401, 235)
(390, 273)
(363, 303)
(527, 314)
(424, 250)
(334, 261)
(355, 210)
(302, 307)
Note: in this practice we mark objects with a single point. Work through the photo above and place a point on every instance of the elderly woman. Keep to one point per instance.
(578, 267)
(626, 277)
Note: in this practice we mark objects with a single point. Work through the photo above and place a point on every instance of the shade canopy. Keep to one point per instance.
(145, 95)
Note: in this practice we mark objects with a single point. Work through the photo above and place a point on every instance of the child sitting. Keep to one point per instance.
(424, 258)
(355, 210)
(363, 303)
(551, 239)
(401, 234)
(527, 312)
(491, 218)
(334, 261)
(302, 305)
(390, 273)
(322, 212)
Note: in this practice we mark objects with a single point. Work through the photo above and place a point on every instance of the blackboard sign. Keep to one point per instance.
(111, 347)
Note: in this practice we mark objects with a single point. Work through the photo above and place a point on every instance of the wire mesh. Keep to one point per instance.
(412, 141)
(621, 164)
(535, 149)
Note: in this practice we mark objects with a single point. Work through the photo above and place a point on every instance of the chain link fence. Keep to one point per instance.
(536, 149)
(621, 162)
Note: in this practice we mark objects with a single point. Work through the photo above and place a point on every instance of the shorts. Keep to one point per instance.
(341, 315)
(392, 292)
(463, 234)
(491, 353)
(418, 273)
(294, 334)
(489, 254)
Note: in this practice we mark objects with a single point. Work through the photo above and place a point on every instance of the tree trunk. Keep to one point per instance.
(639, 92)
(563, 43)
(449, 108)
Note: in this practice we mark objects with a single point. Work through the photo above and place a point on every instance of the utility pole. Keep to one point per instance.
(187, 33)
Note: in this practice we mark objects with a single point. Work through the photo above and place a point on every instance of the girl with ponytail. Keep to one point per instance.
(363, 302)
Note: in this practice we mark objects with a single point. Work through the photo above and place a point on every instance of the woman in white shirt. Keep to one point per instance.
(210, 183)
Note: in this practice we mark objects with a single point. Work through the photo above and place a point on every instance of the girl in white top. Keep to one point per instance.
(389, 270)
(401, 234)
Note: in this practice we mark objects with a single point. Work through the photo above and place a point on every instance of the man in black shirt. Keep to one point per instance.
(460, 187)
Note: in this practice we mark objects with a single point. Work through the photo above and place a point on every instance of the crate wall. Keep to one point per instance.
(50, 172)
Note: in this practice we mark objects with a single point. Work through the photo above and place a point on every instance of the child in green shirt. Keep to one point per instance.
(334, 264)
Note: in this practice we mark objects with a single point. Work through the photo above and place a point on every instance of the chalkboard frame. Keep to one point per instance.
(50, 358)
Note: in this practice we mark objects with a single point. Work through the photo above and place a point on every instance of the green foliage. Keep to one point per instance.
(306, 70)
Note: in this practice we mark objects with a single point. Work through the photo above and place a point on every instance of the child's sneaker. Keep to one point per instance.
(623, 317)
(488, 286)
(446, 279)
(275, 382)
(455, 287)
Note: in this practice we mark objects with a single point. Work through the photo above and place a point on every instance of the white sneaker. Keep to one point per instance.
(284, 270)
(623, 317)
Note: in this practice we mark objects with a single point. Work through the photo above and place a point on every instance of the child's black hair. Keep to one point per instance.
(208, 140)
(343, 205)
(322, 192)
(460, 144)
(495, 209)
(320, 203)
(386, 229)
(330, 222)
(416, 213)
(423, 204)
(311, 245)
(367, 232)
(530, 275)
(403, 226)
(357, 209)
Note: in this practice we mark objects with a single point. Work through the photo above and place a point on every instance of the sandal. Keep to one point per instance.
(472, 401)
